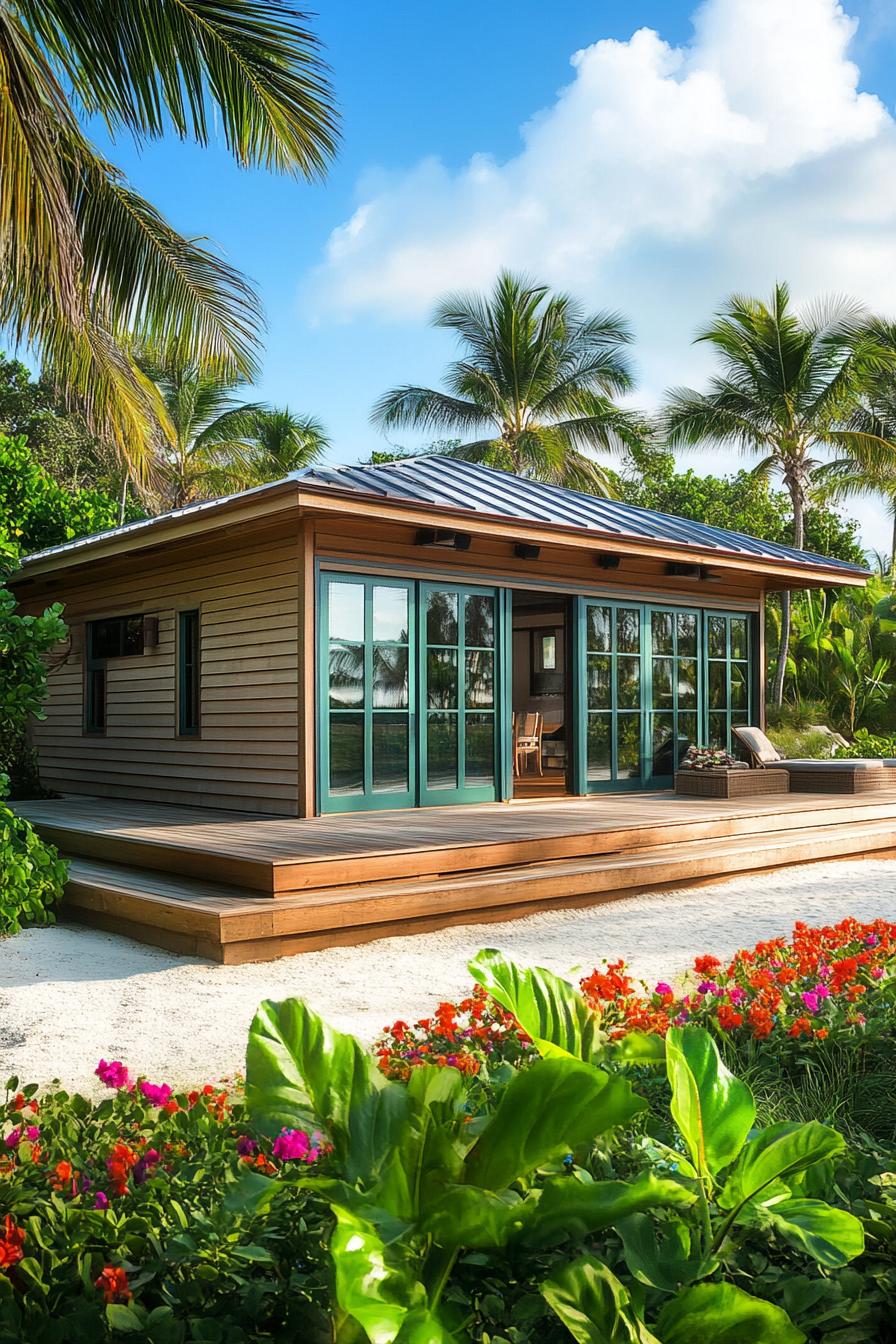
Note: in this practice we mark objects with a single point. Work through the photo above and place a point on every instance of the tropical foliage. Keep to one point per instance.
(533, 390)
(88, 264)
(788, 387)
(209, 442)
(611, 1180)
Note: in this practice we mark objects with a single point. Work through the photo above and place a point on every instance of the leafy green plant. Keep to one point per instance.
(421, 1180)
(867, 744)
(32, 874)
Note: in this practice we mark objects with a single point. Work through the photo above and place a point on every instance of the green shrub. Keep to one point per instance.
(867, 744)
(32, 874)
(801, 743)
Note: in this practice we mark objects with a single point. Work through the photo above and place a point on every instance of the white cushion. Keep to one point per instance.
(765, 751)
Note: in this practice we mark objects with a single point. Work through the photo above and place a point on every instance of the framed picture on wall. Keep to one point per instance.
(548, 673)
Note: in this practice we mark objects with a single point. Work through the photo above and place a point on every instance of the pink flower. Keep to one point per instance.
(294, 1145)
(877, 972)
(157, 1094)
(737, 995)
(662, 988)
(101, 1201)
(32, 1133)
(810, 999)
(114, 1075)
(246, 1146)
(12, 1138)
(871, 940)
(822, 991)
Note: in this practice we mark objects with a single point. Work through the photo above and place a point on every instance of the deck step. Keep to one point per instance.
(276, 856)
(229, 924)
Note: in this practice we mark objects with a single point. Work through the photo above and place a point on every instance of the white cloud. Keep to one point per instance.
(659, 180)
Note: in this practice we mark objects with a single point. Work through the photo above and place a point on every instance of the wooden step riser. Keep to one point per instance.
(263, 935)
(283, 877)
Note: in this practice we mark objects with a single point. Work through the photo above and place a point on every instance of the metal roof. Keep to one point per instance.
(452, 484)
(469, 486)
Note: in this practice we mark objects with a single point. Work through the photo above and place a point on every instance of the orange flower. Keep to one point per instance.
(801, 1027)
(113, 1284)
(11, 1243)
(728, 1017)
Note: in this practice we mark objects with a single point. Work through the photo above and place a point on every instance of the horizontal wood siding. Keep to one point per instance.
(246, 755)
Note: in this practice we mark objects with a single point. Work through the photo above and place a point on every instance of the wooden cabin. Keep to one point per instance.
(385, 637)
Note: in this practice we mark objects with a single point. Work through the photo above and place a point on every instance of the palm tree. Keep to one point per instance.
(88, 265)
(283, 442)
(209, 442)
(869, 466)
(532, 391)
(788, 387)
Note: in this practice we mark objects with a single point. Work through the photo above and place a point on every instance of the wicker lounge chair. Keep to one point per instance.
(807, 776)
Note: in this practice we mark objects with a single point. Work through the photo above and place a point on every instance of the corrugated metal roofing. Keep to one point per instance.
(452, 483)
(470, 487)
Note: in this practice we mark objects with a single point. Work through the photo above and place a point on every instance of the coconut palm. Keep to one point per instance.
(788, 387)
(283, 442)
(208, 441)
(869, 466)
(87, 264)
(533, 389)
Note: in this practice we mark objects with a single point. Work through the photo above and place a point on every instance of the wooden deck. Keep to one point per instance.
(237, 888)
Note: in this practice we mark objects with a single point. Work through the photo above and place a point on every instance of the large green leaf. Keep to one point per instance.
(426, 1146)
(544, 1112)
(713, 1110)
(422, 1327)
(776, 1153)
(465, 1216)
(659, 1253)
(577, 1209)
(719, 1313)
(300, 1071)
(594, 1306)
(831, 1236)
(549, 1009)
(374, 1288)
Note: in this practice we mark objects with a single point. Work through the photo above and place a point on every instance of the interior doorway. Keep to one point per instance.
(542, 703)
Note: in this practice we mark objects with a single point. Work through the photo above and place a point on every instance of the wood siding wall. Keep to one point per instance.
(247, 754)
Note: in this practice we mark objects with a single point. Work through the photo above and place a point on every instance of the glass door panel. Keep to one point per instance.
(728, 676)
(674, 690)
(459, 746)
(367, 693)
(612, 696)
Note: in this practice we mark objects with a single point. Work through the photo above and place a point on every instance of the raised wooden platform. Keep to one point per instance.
(240, 888)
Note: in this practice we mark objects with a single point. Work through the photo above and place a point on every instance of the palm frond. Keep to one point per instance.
(251, 68)
(426, 408)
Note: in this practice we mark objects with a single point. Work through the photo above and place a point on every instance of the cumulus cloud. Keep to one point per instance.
(660, 178)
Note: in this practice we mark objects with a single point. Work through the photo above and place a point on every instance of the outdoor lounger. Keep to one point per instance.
(826, 776)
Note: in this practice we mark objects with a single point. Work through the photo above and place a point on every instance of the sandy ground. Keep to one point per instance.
(69, 995)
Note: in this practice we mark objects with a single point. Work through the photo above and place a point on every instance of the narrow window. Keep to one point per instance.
(114, 637)
(188, 674)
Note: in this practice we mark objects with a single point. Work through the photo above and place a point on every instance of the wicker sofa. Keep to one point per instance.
(808, 776)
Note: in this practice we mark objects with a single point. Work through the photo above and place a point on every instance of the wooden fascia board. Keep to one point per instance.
(165, 531)
(547, 534)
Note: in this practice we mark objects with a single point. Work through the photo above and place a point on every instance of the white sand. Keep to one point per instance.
(69, 995)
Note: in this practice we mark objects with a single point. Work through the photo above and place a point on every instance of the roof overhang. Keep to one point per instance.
(310, 498)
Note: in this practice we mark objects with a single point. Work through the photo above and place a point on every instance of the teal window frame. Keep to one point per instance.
(368, 799)
(189, 673)
(748, 663)
(646, 778)
(417, 793)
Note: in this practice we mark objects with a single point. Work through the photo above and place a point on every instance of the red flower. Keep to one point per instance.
(728, 1018)
(706, 966)
(11, 1243)
(113, 1284)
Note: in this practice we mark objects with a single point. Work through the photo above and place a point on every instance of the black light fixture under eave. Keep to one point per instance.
(682, 569)
(443, 538)
(607, 561)
(526, 550)
(707, 576)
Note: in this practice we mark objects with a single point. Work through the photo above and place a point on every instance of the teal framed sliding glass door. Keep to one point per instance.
(674, 689)
(611, 695)
(729, 679)
(651, 681)
(367, 693)
(460, 635)
(410, 702)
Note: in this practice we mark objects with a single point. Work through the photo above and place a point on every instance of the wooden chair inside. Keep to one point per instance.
(528, 729)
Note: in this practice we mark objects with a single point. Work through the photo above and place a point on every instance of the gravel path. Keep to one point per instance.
(69, 995)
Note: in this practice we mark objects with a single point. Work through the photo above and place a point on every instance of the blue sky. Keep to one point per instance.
(656, 175)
